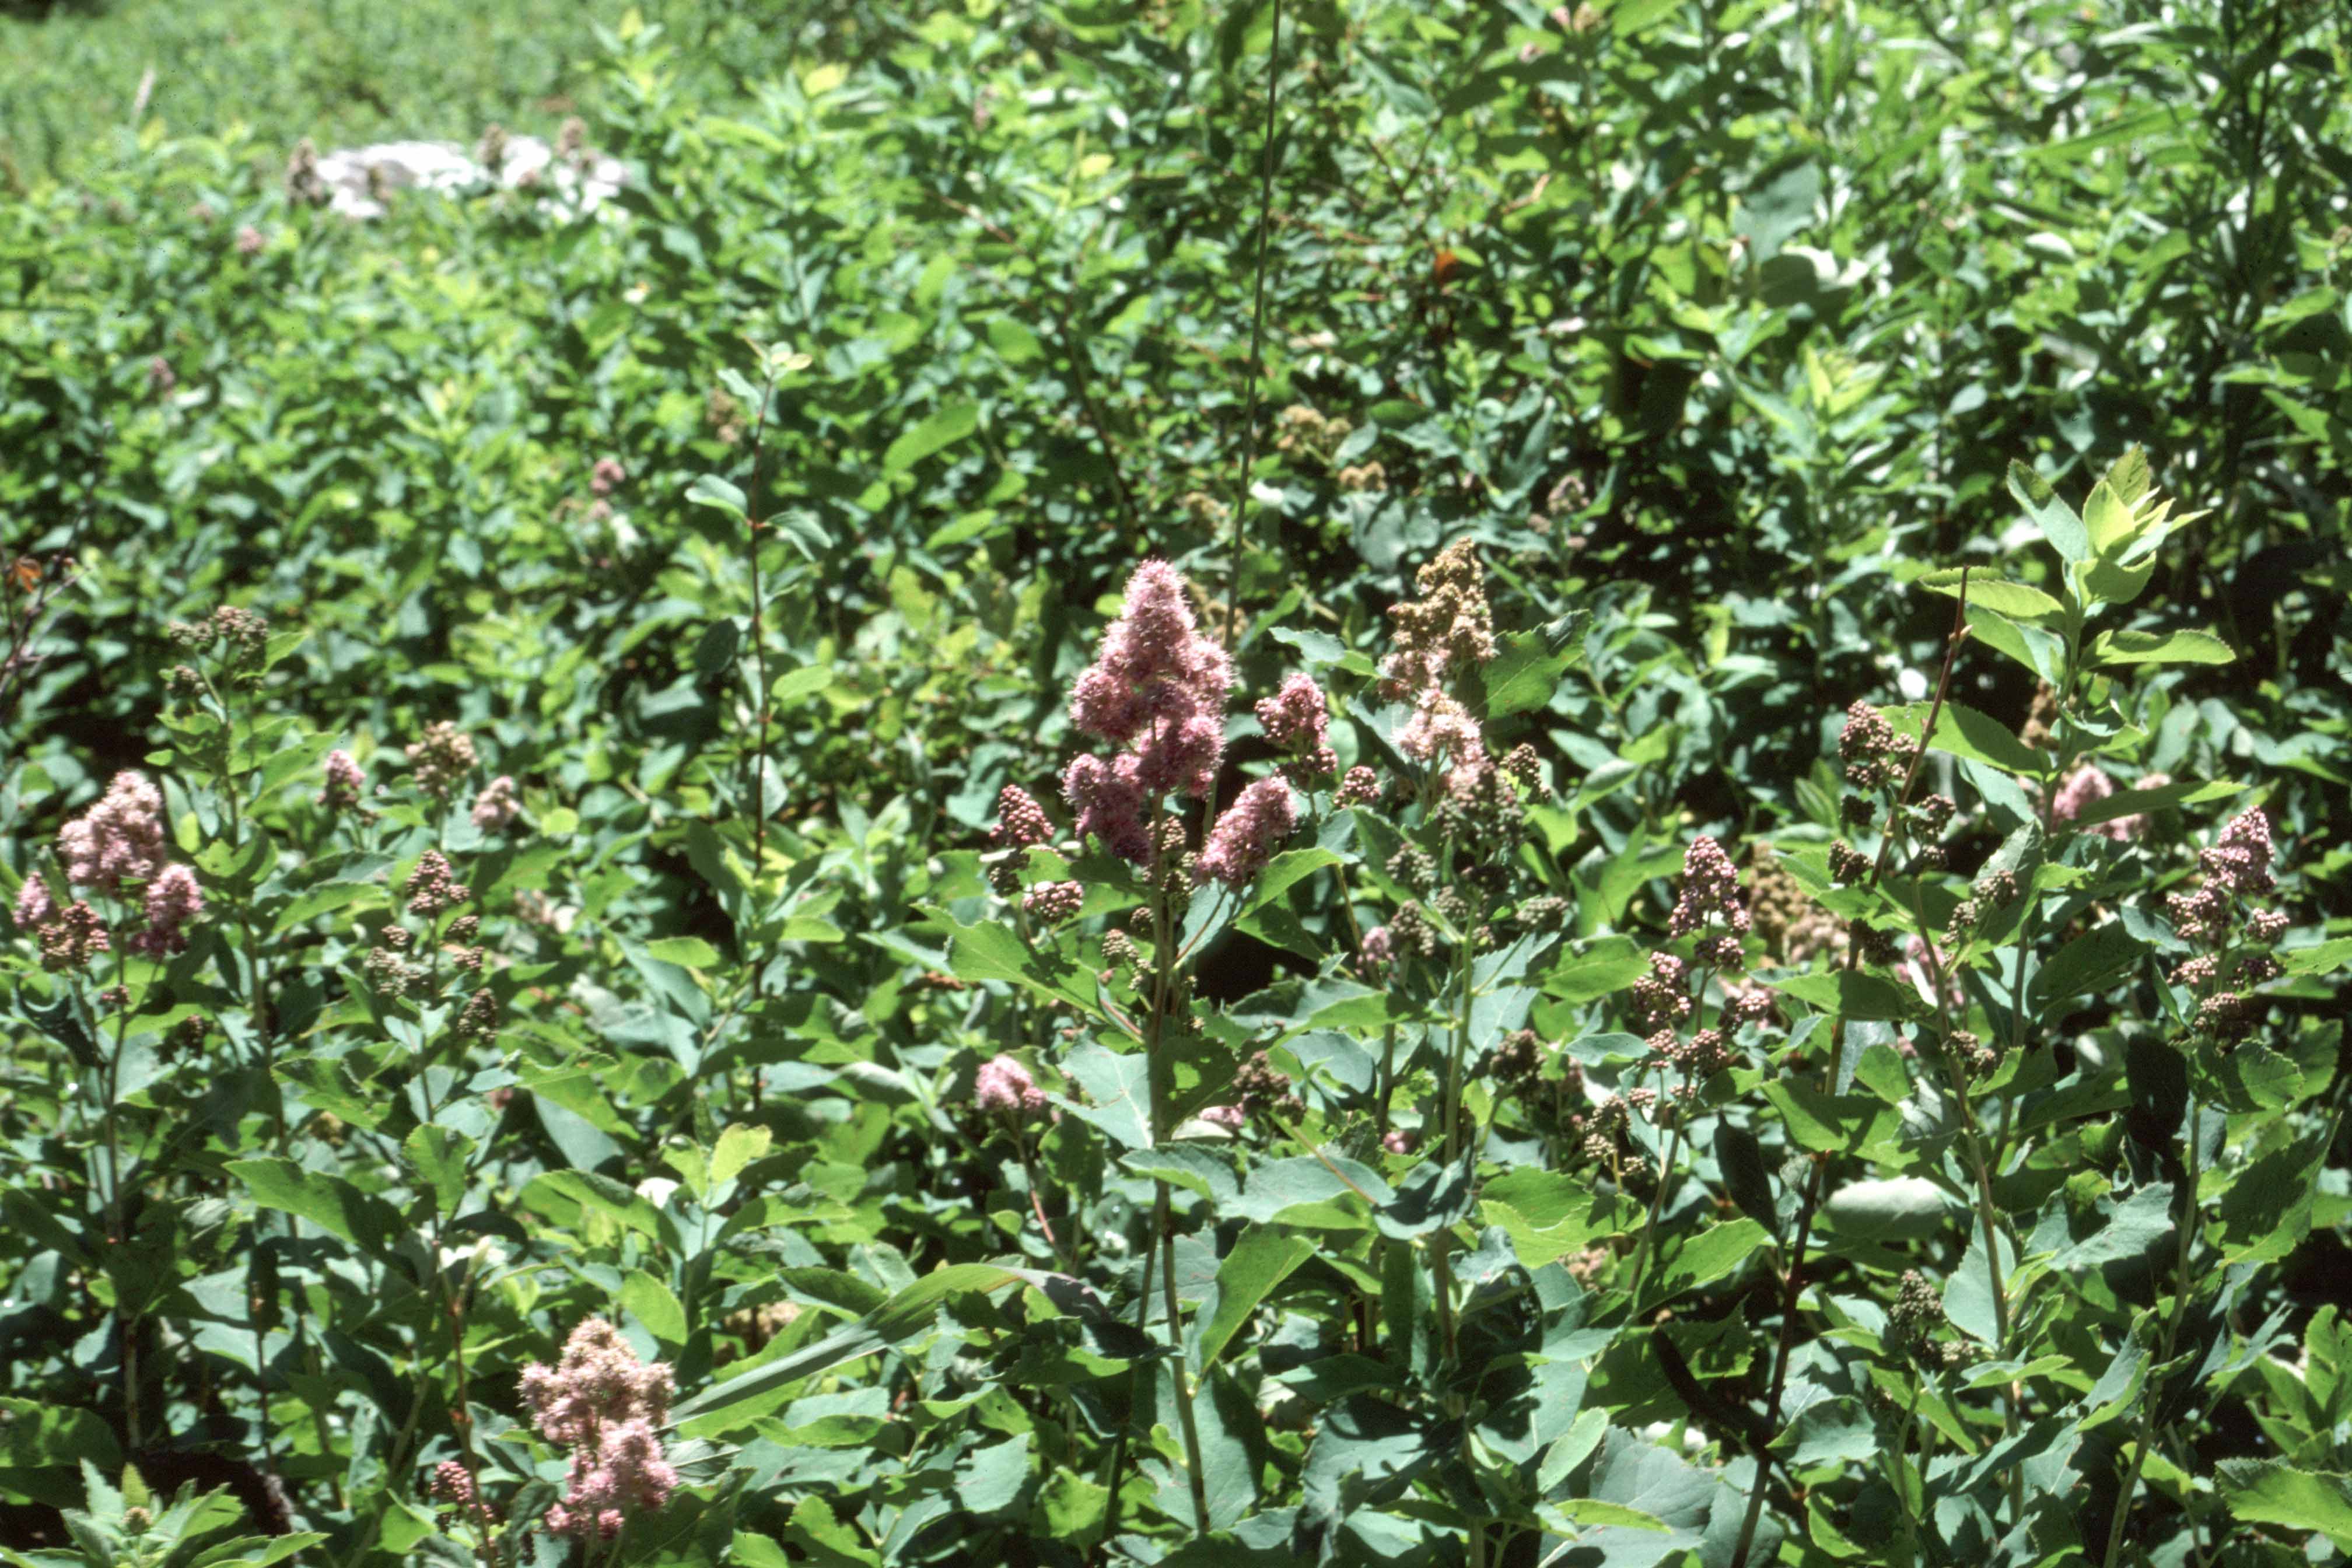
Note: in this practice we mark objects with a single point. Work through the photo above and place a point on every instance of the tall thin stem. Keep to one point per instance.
(1792, 1284)
(1257, 331)
(1160, 1073)
(2186, 1223)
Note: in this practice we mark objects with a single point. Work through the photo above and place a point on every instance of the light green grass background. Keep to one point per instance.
(341, 72)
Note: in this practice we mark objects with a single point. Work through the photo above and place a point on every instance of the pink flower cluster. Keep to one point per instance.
(121, 836)
(1248, 833)
(1003, 1088)
(494, 804)
(1439, 639)
(1298, 720)
(607, 1407)
(1020, 820)
(1157, 692)
(344, 783)
(1710, 890)
(606, 477)
(2236, 867)
(2084, 788)
(173, 900)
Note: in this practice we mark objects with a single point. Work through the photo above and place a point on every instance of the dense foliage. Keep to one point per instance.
(1137, 783)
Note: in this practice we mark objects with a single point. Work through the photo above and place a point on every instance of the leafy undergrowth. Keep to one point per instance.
(1697, 941)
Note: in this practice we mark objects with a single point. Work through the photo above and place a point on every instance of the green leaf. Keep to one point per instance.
(2320, 958)
(328, 1201)
(794, 684)
(1120, 1087)
(439, 1155)
(1851, 993)
(942, 429)
(711, 491)
(2017, 600)
(2053, 516)
(2092, 961)
(905, 1315)
(736, 1147)
(714, 650)
(685, 951)
(1829, 1432)
(1715, 1252)
(1525, 673)
(2036, 649)
(2271, 1491)
(1963, 731)
(1741, 1159)
(2139, 1222)
(655, 1306)
(1838, 1123)
(2109, 521)
(1262, 1260)
(601, 1194)
(1898, 1208)
(2266, 1212)
(2160, 648)
(40, 1435)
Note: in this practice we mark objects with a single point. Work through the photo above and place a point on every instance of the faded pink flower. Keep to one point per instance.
(494, 804)
(173, 899)
(121, 836)
(34, 906)
(1003, 1088)
(1247, 834)
(1227, 1116)
(161, 377)
(1378, 948)
(1360, 787)
(606, 477)
(1439, 639)
(345, 783)
(249, 241)
(2085, 787)
(1397, 1140)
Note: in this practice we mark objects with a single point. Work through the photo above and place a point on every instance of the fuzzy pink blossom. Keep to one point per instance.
(1158, 687)
(494, 804)
(121, 836)
(606, 477)
(1397, 1140)
(1005, 1088)
(161, 377)
(173, 899)
(607, 1407)
(1378, 948)
(1247, 834)
(628, 1474)
(1232, 1117)
(598, 1383)
(34, 905)
(1111, 805)
(249, 241)
(2085, 787)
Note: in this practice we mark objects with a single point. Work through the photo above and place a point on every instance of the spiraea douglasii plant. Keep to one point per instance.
(1349, 824)
(1900, 1168)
